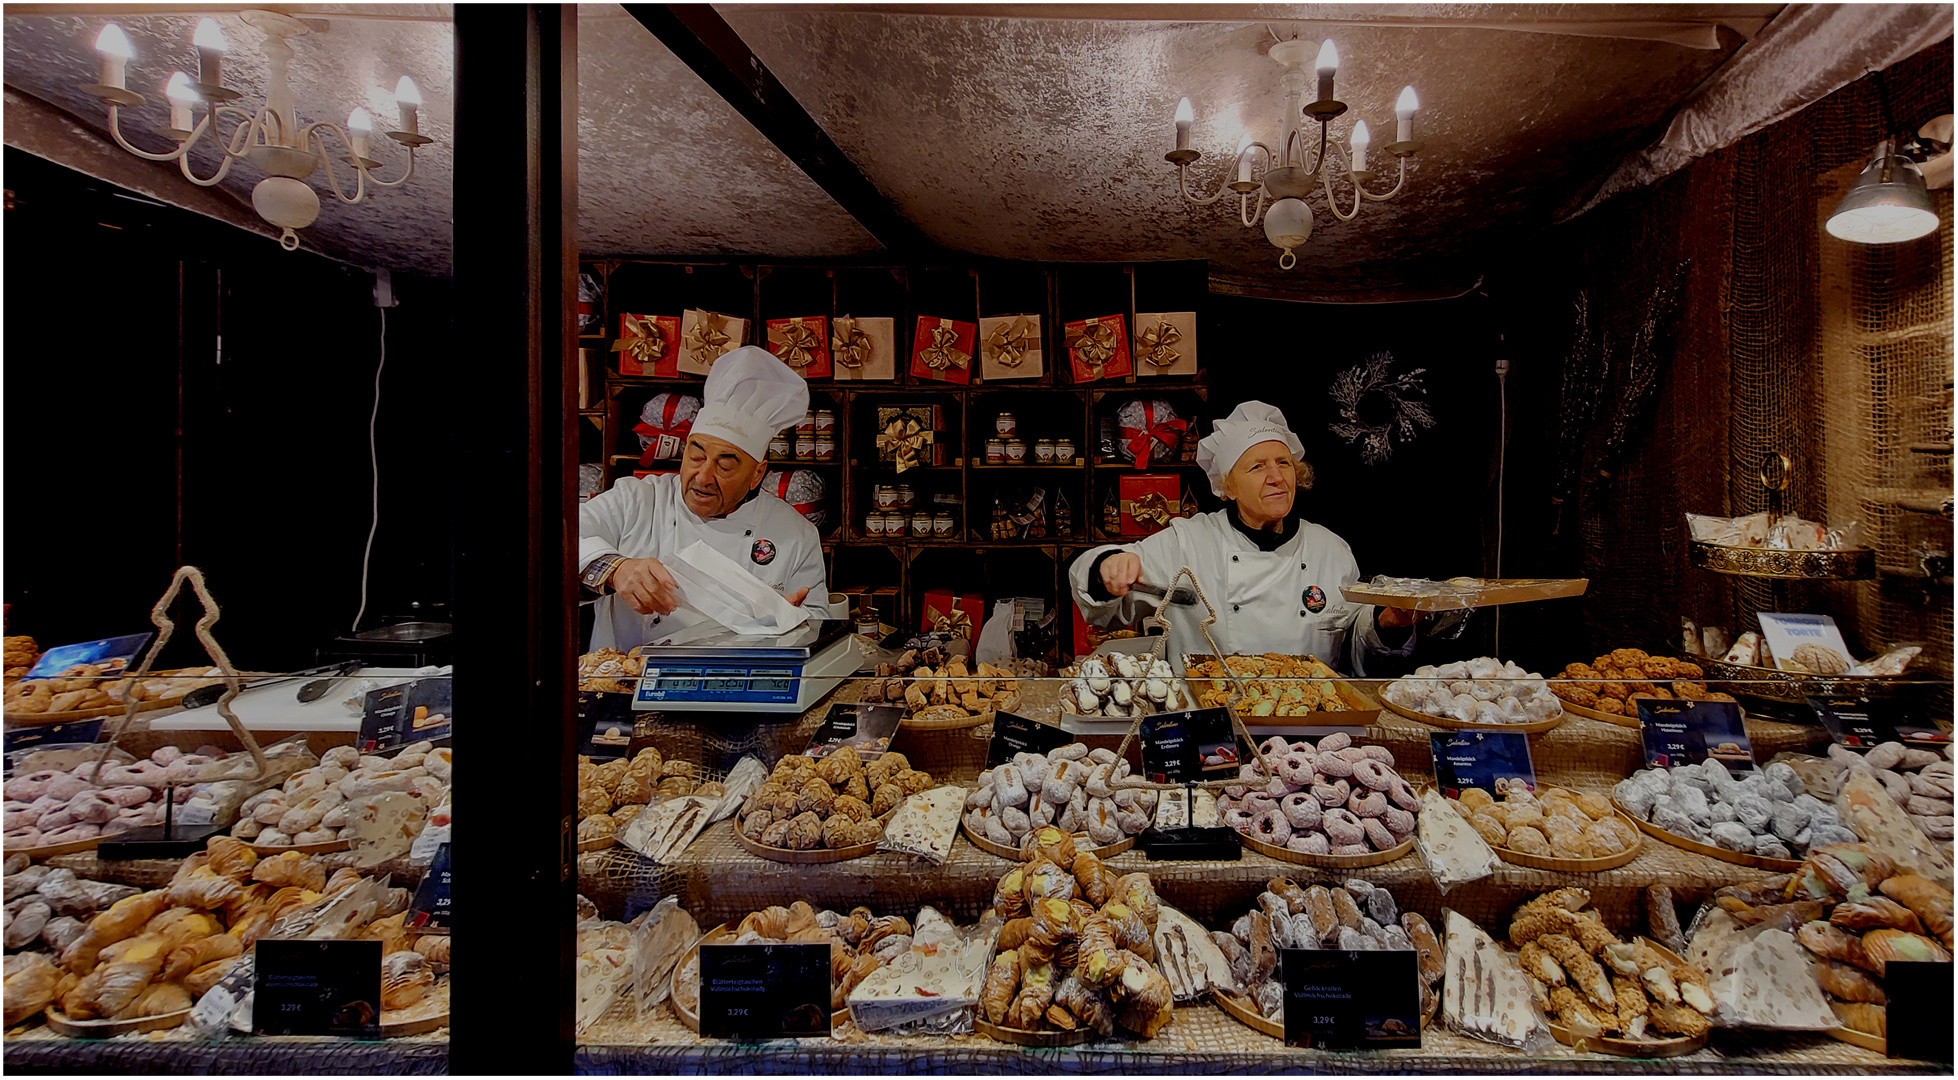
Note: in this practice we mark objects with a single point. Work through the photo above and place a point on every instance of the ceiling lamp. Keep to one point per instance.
(1283, 177)
(1888, 204)
(270, 137)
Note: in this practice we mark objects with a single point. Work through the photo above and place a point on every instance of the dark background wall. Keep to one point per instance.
(134, 443)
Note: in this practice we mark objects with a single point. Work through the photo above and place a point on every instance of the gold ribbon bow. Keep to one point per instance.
(902, 439)
(646, 345)
(1156, 342)
(1150, 509)
(1093, 345)
(941, 355)
(849, 345)
(708, 338)
(1008, 342)
(955, 623)
(799, 345)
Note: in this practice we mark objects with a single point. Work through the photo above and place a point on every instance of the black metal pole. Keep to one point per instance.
(515, 213)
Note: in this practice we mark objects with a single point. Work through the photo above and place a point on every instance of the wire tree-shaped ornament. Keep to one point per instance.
(1651, 348)
(1586, 371)
(1378, 408)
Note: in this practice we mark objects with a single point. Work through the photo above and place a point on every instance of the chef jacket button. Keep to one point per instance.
(1301, 614)
(751, 532)
(1233, 558)
(1233, 607)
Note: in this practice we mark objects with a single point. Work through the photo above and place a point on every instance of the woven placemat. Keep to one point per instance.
(1200, 1040)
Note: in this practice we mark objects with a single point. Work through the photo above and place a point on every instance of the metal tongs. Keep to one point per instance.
(1180, 594)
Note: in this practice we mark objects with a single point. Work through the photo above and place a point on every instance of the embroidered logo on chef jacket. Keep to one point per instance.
(1315, 599)
(763, 552)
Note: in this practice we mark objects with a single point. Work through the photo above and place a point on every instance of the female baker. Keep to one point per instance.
(1273, 578)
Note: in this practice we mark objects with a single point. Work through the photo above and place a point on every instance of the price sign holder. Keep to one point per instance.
(764, 991)
(1190, 746)
(430, 909)
(1495, 761)
(410, 712)
(1680, 732)
(317, 988)
(1926, 1034)
(1345, 1000)
(1015, 734)
(1860, 723)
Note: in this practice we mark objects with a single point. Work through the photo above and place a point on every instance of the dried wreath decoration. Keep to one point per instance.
(1394, 406)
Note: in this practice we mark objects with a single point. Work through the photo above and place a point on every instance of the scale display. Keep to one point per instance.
(732, 684)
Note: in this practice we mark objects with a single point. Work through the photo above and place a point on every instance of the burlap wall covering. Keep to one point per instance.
(1784, 340)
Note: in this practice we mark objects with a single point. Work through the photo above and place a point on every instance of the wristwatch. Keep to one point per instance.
(599, 572)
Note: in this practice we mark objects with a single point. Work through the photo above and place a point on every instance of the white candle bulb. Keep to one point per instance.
(182, 97)
(113, 44)
(1359, 141)
(359, 123)
(1244, 159)
(1328, 63)
(211, 48)
(1185, 115)
(1404, 110)
(407, 97)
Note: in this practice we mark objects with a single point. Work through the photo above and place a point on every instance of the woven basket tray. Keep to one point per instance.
(1537, 728)
(1017, 1037)
(1687, 843)
(812, 856)
(1575, 866)
(1335, 862)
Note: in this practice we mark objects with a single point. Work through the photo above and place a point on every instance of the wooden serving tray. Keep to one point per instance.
(42, 719)
(327, 848)
(1361, 709)
(72, 847)
(1489, 592)
(960, 724)
(59, 1023)
(1675, 1046)
(812, 856)
(1018, 1037)
(1573, 866)
(1863, 1039)
(1537, 728)
(690, 1017)
(1337, 862)
(1081, 843)
(1687, 843)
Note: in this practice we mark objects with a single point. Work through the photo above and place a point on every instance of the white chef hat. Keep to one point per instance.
(1248, 425)
(750, 395)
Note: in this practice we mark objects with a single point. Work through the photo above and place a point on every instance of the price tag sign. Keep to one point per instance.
(317, 988)
(1339, 1000)
(422, 709)
(1013, 734)
(764, 991)
(867, 729)
(430, 910)
(604, 724)
(1860, 723)
(1495, 761)
(75, 731)
(114, 654)
(1926, 1034)
(1689, 732)
(1191, 746)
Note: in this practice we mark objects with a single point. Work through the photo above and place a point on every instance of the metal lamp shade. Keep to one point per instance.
(1885, 209)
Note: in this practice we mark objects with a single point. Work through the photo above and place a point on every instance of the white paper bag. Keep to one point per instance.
(717, 587)
(995, 645)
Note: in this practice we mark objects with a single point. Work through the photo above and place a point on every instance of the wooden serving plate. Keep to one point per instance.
(691, 1017)
(1337, 862)
(960, 724)
(812, 856)
(599, 844)
(326, 848)
(1536, 728)
(1687, 843)
(59, 1023)
(1670, 1047)
(1361, 709)
(1620, 719)
(42, 719)
(1019, 1037)
(49, 851)
(1573, 866)
(1081, 843)
(1863, 1039)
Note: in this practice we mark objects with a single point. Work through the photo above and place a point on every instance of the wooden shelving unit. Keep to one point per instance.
(1050, 406)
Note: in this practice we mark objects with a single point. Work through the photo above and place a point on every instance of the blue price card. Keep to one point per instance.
(430, 910)
(1688, 732)
(764, 991)
(1342, 1000)
(317, 988)
(112, 654)
(1498, 762)
(410, 712)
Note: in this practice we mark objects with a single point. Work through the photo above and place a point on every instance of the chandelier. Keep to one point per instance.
(1282, 177)
(270, 137)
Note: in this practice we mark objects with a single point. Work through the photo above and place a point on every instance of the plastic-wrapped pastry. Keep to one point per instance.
(1002, 979)
(157, 999)
(1052, 844)
(123, 919)
(405, 979)
(291, 868)
(199, 982)
(1029, 1006)
(435, 947)
(1097, 882)
(31, 984)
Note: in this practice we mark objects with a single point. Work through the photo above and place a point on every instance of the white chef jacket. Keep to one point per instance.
(1282, 601)
(647, 517)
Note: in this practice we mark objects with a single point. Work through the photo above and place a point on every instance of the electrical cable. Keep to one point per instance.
(374, 464)
(1502, 461)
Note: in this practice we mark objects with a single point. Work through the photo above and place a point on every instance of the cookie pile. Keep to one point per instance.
(1558, 823)
(1613, 683)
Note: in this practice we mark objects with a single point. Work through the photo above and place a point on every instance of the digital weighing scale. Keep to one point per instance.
(709, 668)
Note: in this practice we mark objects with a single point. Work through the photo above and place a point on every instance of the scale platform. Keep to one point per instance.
(709, 668)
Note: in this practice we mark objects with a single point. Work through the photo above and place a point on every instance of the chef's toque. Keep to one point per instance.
(749, 397)
(1248, 425)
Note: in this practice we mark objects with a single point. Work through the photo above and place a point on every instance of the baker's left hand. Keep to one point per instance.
(1394, 617)
(795, 598)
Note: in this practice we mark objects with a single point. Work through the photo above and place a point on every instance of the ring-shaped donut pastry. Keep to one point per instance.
(1296, 770)
(1332, 794)
(1338, 740)
(1271, 827)
(1403, 795)
(1366, 803)
(1238, 818)
(1373, 774)
(1398, 821)
(1379, 753)
(1276, 745)
(1309, 844)
(1378, 835)
(1302, 810)
(1258, 802)
(1332, 765)
(1342, 827)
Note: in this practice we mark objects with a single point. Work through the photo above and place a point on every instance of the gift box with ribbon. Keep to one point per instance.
(802, 343)
(1149, 502)
(663, 427)
(942, 350)
(1009, 348)
(947, 612)
(1149, 431)
(862, 350)
(801, 488)
(907, 436)
(1166, 343)
(1098, 349)
(706, 336)
(649, 345)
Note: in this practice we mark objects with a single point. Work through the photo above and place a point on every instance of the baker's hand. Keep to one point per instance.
(795, 598)
(1393, 617)
(646, 586)
(1119, 571)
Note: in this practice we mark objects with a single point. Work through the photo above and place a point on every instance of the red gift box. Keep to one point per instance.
(1099, 349)
(649, 345)
(802, 344)
(666, 439)
(1149, 502)
(955, 613)
(1159, 438)
(942, 350)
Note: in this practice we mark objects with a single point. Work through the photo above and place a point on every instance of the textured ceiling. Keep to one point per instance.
(354, 60)
(1013, 137)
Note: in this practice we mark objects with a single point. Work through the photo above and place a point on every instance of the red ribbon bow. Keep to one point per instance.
(1168, 432)
(664, 427)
